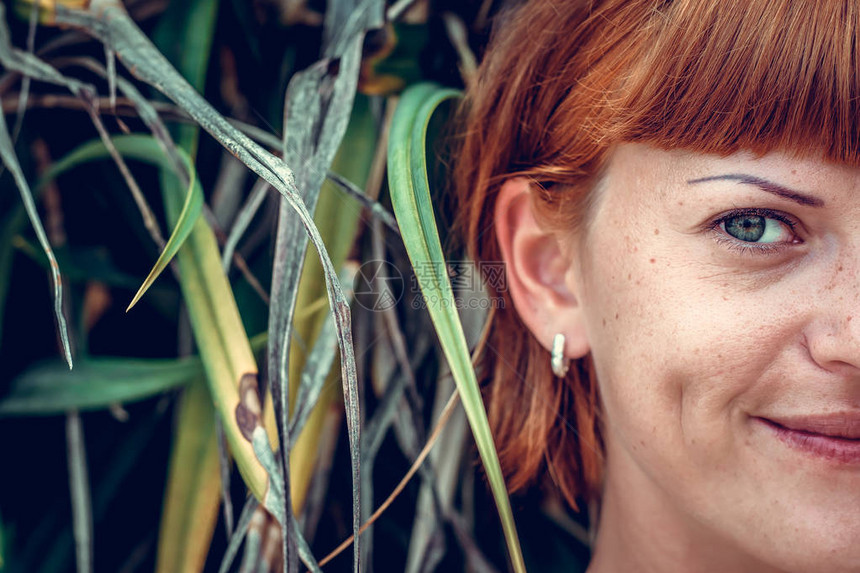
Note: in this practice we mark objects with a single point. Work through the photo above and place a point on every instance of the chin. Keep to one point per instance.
(819, 552)
(804, 514)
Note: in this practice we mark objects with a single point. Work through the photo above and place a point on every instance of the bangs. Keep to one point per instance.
(718, 77)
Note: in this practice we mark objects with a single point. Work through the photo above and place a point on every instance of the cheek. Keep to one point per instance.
(677, 354)
(632, 333)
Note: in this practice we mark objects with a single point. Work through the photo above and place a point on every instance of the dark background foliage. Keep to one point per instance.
(253, 56)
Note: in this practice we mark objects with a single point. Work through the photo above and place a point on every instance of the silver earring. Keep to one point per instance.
(560, 364)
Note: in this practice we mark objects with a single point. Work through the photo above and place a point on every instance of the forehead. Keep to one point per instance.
(641, 158)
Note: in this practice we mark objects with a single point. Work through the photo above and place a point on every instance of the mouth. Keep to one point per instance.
(835, 438)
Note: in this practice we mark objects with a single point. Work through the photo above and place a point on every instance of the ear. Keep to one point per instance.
(541, 278)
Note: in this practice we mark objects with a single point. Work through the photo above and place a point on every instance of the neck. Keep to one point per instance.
(642, 529)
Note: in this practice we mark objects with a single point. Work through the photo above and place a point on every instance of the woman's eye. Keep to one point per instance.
(755, 228)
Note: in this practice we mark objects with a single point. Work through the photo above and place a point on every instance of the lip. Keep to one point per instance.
(833, 437)
(838, 425)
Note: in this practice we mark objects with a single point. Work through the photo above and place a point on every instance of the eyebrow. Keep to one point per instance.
(764, 185)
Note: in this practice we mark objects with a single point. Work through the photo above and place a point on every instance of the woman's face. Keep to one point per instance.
(720, 299)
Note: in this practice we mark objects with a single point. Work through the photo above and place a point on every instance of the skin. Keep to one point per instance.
(696, 336)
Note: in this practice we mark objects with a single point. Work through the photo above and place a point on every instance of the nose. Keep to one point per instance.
(833, 339)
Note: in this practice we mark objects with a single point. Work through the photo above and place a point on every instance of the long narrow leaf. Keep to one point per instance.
(410, 195)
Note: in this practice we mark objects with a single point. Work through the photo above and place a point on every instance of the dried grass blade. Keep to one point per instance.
(376, 209)
(243, 220)
(315, 120)
(319, 363)
(25, 81)
(79, 487)
(7, 152)
(440, 425)
(12, 59)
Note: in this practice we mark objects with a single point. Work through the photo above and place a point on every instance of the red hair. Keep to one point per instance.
(565, 80)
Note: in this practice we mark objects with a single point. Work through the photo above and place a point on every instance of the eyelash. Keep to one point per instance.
(745, 247)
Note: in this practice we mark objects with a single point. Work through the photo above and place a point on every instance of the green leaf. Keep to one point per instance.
(184, 35)
(147, 149)
(51, 388)
(410, 196)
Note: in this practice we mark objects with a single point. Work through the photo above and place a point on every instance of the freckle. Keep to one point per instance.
(656, 231)
(629, 276)
(638, 282)
(616, 316)
(680, 203)
(839, 270)
(653, 261)
(849, 319)
(604, 322)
